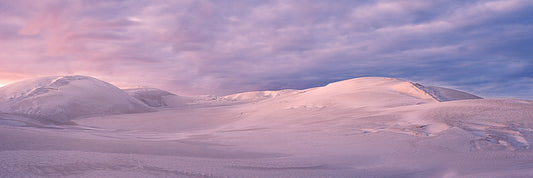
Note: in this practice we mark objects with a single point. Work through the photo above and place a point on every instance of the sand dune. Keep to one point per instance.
(363, 127)
(60, 99)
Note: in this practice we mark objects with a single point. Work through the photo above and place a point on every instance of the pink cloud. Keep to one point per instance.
(49, 18)
(221, 47)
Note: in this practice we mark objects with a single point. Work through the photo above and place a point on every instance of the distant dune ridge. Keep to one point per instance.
(62, 98)
(355, 93)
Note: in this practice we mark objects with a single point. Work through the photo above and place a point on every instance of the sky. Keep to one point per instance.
(220, 47)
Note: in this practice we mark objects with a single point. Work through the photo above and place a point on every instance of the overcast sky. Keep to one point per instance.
(227, 46)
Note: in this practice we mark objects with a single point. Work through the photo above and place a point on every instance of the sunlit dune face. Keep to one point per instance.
(4, 82)
(8, 78)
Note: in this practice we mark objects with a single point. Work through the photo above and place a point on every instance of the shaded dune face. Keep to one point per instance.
(151, 96)
(445, 94)
(60, 99)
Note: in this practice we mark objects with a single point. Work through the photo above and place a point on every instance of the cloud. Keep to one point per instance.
(222, 47)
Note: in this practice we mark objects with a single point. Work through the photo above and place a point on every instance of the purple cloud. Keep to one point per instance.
(222, 47)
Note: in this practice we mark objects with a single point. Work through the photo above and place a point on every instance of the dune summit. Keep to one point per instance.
(362, 127)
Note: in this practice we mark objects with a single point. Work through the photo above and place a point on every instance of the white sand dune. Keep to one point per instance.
(364, 127)
(59, 99)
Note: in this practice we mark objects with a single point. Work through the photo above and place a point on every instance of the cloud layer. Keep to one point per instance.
(222, 47)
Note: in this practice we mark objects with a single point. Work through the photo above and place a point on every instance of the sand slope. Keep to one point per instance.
(364, 127)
